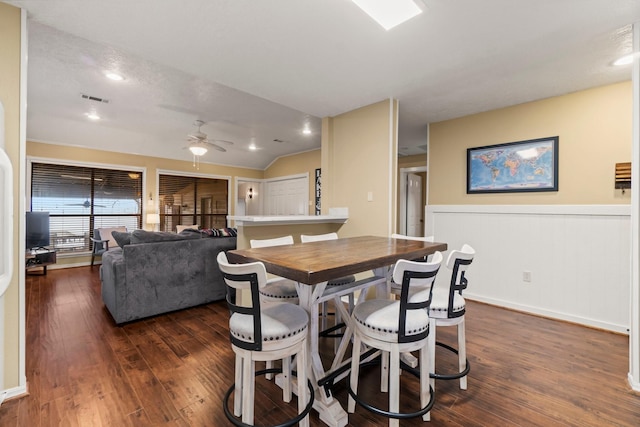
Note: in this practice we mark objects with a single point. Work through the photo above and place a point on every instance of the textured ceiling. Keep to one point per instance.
(256, 71)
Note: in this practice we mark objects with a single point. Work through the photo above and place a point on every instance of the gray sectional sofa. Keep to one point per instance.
(154, 273)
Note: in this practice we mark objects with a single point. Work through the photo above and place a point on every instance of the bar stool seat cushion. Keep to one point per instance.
(279, 322)
(440, 303)
(282, 289)
(379, 318)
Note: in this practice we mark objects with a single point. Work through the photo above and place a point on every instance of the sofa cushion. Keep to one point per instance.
(107, 234)
(122, 238)
(143, 236)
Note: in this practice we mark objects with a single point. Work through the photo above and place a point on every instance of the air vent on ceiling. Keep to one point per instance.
(94, 98)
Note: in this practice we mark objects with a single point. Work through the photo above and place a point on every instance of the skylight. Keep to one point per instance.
(389, 13)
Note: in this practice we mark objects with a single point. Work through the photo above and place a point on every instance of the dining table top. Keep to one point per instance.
(315, 262)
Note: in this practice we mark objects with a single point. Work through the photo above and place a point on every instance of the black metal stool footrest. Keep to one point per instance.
(455, 376)
(288, 423)
(327, 333)
(388, 414)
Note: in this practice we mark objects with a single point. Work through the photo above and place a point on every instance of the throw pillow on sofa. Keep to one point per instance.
(220, 232)
(181, 228)
(122, 238)
(142, 236)
(107, 234)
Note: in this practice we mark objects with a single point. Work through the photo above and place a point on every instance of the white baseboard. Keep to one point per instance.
(13, 393)
(549, 314)
(635, 386)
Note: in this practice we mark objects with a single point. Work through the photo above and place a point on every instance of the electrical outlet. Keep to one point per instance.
(526, 276)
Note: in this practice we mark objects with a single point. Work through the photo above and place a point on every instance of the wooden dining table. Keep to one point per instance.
(311, 265)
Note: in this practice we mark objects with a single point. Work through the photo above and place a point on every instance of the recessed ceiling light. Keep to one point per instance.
(114, 76)
(389, 13)
(93, 115)
(625, 60)
(306, 131)
(252, 147)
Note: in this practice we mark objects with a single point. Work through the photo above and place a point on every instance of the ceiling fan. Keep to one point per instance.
(200, 144)
(86, 204)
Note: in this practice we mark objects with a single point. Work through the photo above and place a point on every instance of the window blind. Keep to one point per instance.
(188, 200)
(80, 199)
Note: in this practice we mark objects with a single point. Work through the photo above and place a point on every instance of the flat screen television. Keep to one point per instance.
(37, 230)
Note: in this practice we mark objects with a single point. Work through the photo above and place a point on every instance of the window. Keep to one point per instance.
(186, 200)
(80, 199)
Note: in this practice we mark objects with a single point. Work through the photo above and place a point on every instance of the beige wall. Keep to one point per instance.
(359, 155)
(152, 164)
(306, 162)
(594, 127)
(10, 23)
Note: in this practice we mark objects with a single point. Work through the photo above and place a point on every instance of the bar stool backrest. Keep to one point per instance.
(250, 276)
(423, 239)
(304, 238)
(265, 243)
(458, 262)
(417, 287)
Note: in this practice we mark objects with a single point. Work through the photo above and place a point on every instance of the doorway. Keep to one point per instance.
(412, 197)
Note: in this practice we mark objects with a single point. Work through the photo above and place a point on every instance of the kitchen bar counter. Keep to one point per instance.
(257, 220)
(270, 226)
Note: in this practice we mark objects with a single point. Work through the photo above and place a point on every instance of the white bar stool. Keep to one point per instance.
(396, 327)
(263, 332)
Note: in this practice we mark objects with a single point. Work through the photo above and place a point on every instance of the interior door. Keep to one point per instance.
(287, 197)
(414, 205)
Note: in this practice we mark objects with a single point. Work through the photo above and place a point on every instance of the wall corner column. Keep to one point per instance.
(634, 321)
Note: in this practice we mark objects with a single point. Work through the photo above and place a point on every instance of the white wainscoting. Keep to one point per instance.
(579, 258)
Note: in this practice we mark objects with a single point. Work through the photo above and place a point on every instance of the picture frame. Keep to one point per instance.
(318, 191)
(514, 167)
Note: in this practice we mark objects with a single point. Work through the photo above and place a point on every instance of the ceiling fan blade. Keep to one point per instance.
(222, 140)
(197, 136)
(216, 147)
(85, 205)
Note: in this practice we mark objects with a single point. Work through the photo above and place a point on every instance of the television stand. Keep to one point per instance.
(39, 258)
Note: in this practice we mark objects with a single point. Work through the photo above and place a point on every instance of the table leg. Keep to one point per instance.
(383, 289)
(329, 409)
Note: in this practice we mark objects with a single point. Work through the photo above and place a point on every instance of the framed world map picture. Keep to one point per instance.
(530, 165)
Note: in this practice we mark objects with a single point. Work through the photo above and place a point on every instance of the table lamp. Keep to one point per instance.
(153, 219)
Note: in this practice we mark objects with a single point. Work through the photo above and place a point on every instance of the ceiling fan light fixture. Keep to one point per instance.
(197, 149)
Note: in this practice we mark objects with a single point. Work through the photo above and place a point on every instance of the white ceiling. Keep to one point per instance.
(256, 71)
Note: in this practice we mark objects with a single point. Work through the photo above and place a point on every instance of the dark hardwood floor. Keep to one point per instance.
(173, 370)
